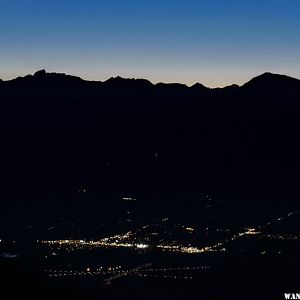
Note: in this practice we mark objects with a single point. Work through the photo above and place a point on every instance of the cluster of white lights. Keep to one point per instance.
(142, 246)
(130, 240)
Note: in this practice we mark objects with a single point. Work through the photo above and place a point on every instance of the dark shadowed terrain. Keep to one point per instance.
(149, 168)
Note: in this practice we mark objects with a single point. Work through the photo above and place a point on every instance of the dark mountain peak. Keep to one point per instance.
(127, 82)
(117, 79)
(199, 86)
(171, 85)
(232, 87)
(43, 78)
(270, 80)
(40, 73)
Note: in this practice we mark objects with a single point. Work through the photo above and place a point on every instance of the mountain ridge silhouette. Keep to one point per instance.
(266, 79)
(57, 127)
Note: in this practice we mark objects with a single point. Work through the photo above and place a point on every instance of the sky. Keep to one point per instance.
(215, 42)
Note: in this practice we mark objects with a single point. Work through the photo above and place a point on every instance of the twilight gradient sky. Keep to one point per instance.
(216, 42)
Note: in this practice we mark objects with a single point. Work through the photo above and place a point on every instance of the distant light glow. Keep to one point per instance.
(129, 199)
(142, 246)
(189, 229)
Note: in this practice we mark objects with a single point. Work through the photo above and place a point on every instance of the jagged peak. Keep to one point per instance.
(45, 78)
(199, 85)
(40, 73)
(171, 85)
(124, 81)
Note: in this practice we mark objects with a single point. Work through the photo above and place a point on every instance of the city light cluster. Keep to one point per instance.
(130, 240)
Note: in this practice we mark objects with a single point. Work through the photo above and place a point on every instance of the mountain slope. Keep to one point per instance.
(62, 129)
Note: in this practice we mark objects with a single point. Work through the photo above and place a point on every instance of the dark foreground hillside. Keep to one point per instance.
(61, 129)
(126, 189)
